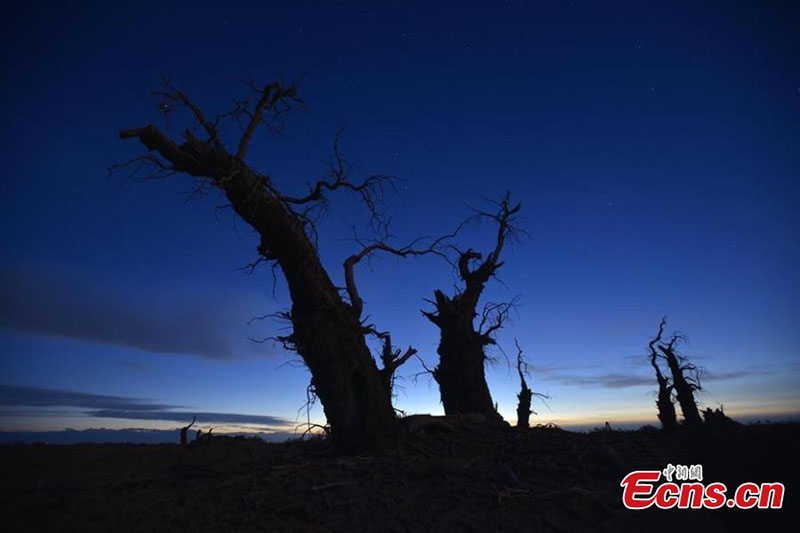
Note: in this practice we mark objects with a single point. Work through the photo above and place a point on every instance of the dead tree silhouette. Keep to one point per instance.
(202, 438)
(525, 395)
(664, 401)
(185, 431)
(717, 417)
(685, 375)
(328, 332)
(462, 347)
(392, 359)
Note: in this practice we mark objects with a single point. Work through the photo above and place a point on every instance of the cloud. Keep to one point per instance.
(644, 359)
(619, 380)
(186, 416)
(751, 370)
(609, 381)
(550, 370)
(160, 320)
(736, 374)
(11, 395)
(102, 406)
(568, 375)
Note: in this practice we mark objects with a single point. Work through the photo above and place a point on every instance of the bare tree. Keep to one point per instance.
(717, 416)
(392, 359)
(685, 375)
(185, 431)
(664, 401)
(462, 346)
(526, 395)
(328, 332)
(685, 380)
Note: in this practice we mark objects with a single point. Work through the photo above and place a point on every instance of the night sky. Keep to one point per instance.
(654, 149)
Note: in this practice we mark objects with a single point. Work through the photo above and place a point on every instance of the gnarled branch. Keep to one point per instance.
(505, 219)
(368, 248)
(370, 190)
(274, 97)
(493, 317)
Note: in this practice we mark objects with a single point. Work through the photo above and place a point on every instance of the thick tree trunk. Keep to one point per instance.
(345, 378)
(462, 347)
(666, 409)
(524, 407)
(525, 393)
(327, 331)
(664, 403)
(691, 415)
(462, 359)
(683, 390)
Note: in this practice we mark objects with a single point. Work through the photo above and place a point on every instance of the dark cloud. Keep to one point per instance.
(619, 380)
(161, 321)
(186, 416)
(549, 370)
(101, 406)
(751, 370)
(637, 361)
(722, 376)
(569, 375)
(11, 395)
(609, 381)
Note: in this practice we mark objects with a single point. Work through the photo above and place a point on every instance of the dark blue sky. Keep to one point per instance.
(654, 149)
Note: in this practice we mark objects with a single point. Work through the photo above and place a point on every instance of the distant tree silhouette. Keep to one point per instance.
(462, 346)
(392, 359)
(664, 402)
(685, 377)
(185, 431)
(717, 417)
(524, 396)
(328, 332)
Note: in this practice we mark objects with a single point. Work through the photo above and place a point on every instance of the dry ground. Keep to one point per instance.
(459, 477)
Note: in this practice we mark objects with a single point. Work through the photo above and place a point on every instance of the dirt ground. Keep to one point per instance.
(455, 477)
